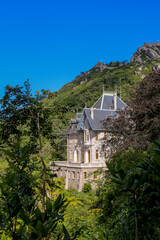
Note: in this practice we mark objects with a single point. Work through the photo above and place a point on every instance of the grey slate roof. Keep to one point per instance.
(107, 102)
(72, 128)
(98, 116)
(78, 115)
(97, 104)
(74, 124)
(102, 109)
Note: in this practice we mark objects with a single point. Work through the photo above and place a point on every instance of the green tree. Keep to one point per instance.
(87, 187)
(20, 216)
(136, 197)
(24, 115)
(17, 191)
(138, 125)
(23, 119)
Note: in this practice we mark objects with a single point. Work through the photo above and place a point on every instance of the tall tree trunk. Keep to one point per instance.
(43, 163)
(136, 223)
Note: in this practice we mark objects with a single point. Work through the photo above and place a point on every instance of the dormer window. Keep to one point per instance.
(86, 136)
(82, 137)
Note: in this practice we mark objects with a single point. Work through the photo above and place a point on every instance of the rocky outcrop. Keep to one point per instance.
(148, 51)
(101, 66)
(156, 67)
(82, 78)
(85, 81)
(138, 71)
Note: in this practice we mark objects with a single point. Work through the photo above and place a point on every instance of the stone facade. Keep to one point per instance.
(86, 151)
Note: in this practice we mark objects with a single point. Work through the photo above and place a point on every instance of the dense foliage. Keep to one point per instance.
(130, 197)
(21, 213)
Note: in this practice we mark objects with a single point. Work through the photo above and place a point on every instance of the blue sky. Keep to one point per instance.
(52, 41)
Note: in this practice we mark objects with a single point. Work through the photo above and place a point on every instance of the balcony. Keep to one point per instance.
(76, 165)
(87, 143)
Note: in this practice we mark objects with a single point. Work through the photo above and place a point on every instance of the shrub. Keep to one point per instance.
(87, 187)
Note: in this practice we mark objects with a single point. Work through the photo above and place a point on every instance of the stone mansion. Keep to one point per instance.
(85, 138)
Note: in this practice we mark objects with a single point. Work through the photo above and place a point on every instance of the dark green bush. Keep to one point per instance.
(87, 187)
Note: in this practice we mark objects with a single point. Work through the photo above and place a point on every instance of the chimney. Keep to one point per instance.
(115, 101)
(92, 112)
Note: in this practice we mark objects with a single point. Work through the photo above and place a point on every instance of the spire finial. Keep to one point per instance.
(116, 89)
(103, 88)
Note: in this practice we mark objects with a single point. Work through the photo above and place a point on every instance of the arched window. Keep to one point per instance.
(73, 175)
(82, 137)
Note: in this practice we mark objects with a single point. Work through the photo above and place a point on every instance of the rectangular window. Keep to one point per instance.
(82, 137)
(85, 175)
(105, 154)
(96, 136)
(73, 175)
(68, 174)
(96, 154)
(82, 156)
(95, 175)
(71, 155)
(89, 156)
(86, 137)
(77, 156)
